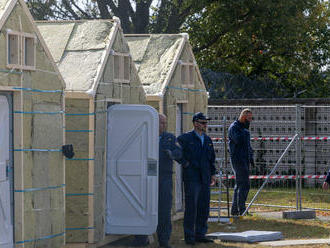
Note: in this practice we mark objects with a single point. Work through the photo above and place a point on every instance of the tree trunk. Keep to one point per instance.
(141, 19)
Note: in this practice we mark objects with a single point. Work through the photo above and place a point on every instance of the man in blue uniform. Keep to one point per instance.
(241, 155)
(169, 150)
(326, 183)
(198, 174)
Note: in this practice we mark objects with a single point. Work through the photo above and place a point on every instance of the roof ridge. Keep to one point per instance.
(149, 35)
(73, 21)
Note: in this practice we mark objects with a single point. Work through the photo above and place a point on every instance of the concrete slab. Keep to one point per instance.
(304, 214)
(279, 215)
(296, 242)
(248, 236)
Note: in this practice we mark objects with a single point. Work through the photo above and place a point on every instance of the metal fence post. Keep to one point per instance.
(298, 158)
(226, 162)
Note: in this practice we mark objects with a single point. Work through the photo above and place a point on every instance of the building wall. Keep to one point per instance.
(76, 174)
(194, 98)
(38, 127)
(88, 211)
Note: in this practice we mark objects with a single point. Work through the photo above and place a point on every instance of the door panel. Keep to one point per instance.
(178, 168)
(6, 226)
(132, 173)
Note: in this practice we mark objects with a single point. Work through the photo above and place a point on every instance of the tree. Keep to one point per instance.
(137, 16)
(282, 41)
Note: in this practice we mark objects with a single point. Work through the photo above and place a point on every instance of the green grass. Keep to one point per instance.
(291, 229)
(311, 198)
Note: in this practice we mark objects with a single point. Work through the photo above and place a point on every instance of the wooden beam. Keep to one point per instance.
(77, 95)
(64, 161)
(91, 168)
(154, 98)
(8, 88)
(18, 169)
(161, 106)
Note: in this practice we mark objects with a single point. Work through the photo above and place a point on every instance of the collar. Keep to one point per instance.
(197, 134)
(240, 124)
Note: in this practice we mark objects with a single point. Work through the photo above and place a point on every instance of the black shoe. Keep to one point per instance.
(190, 242)
(165, 246)
(204, 240)
(140, 242)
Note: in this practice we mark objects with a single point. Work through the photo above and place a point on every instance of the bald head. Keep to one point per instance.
(162, 123)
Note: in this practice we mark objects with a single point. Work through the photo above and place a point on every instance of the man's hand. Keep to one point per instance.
(169, 153)
(325, 186)
(185, 165)
(213, 180)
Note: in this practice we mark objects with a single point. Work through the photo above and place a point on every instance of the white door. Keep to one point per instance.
(178, 168)
(6, 224)
(132, 170)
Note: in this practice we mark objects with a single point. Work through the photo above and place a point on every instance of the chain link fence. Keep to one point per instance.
(297, 180)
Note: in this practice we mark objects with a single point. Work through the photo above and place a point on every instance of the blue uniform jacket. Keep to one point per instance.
(167, 141)
(328, 177)
(201, 159)
(240, 149)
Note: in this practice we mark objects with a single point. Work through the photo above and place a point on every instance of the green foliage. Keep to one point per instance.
(282, 41)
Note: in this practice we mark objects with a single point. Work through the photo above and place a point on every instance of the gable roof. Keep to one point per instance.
(80, 49)
(156, 56)
(6, 7)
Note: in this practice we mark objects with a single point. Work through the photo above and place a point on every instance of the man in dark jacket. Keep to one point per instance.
(241, 155)
(326, 183)
(198, 173)
(169, 150)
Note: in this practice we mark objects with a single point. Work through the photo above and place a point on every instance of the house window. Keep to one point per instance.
(20, 50)
(121, 67)
(29, 51)
(188, 74)
(13, 50)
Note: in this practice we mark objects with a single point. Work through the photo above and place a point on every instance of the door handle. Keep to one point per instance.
(7, 168)
(152, 167)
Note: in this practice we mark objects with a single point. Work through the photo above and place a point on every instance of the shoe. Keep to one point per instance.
(190, 242)
(140, 241)
(165, 246)
(247, 214)
(204, 240)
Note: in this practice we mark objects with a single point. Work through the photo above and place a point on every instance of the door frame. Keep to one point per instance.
(9, 97)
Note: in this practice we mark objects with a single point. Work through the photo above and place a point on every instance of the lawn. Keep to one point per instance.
(311, 198)
(291, 229)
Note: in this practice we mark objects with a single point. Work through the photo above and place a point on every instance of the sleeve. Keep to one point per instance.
(176, 150)
(212, 160)
(328, 177)
(235, 135)
(250, 147)
(183, 161)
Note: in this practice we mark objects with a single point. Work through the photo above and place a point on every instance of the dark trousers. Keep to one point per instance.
(197, 207)
(164, 227)
(241, 190)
